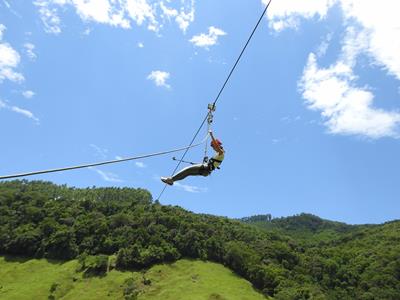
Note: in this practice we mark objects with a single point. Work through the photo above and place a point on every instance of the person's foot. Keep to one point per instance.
(167, 180)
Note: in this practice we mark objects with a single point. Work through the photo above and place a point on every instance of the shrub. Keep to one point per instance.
(130, 290)
(93, 264)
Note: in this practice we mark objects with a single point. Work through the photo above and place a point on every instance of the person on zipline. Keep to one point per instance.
(203, 169)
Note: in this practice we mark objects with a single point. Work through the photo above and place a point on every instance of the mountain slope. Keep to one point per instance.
(301, 257)
(305, 227)
(186, 279)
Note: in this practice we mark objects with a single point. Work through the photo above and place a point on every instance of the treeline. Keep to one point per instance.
(305, 228)
(40, 219)
(300, 222)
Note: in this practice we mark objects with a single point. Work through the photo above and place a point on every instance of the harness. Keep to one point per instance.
(208, 163)
(210, 119)
(211, 164)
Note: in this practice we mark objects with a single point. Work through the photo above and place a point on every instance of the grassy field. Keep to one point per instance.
(190, 280)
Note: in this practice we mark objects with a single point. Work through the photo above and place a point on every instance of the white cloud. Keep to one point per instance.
(87, 31)
(9, 60)
(378, 23)
(168, 12)
(29, 47)
(24, 112)
(96, 10)
(346, 108)
(7, 4)
(141, 165)
(289, 119)
(207, 40)
(8, 56)
(49, 15)
(119, 13)
(18, 110)
(381, 26)
(190, 188)
(107, 176)
(159, 78)
(140, 45)
(183, 19)
(99, 152)
(323, 47)
(101, 11)
(276, 141)
(138, 164)
(370, 31)
(288, 13)
(141, 11)
(10, 74)
(28, 94)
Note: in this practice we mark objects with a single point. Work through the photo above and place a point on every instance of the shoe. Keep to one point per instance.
(167, 180)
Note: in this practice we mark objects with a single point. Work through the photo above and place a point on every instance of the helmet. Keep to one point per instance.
(216, 142)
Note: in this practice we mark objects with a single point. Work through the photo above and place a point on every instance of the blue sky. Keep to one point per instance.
(310, 118)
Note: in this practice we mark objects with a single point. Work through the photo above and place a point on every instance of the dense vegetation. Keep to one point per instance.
(347, 261)
(40, 219)
(300, 223)
(305, 227)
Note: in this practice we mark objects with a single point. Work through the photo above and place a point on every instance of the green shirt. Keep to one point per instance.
(219, 157)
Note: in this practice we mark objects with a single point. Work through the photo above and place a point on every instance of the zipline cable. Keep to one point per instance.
(220, 92)
(157, 153)
(101, 163)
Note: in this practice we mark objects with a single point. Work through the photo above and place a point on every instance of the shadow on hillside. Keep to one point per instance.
(91, 274)
(19, 259)
(24, 259)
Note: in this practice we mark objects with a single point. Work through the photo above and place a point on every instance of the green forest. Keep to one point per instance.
(299, 257)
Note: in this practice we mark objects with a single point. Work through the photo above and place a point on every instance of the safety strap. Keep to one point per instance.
(215, 160)
(210, 117)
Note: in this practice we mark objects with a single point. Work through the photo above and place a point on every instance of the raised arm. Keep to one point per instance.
(217, 147)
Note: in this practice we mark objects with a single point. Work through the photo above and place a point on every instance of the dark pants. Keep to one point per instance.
(195, 170)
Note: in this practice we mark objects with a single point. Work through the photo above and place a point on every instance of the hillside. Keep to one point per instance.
(41, 279)
(293, 260)
(305, 227)
(301, 222)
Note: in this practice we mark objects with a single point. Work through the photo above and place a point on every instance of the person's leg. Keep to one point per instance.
(189, 171)
(195, 170)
